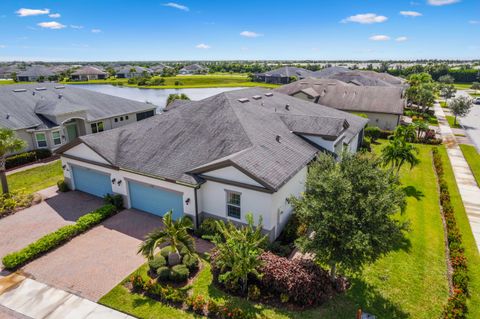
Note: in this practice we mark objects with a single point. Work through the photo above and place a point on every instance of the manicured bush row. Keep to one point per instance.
(457, 304)
(27, 157)
(375, 133)
(57, 238)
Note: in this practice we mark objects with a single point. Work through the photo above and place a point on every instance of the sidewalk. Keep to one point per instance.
(469, 190)
(39, 301)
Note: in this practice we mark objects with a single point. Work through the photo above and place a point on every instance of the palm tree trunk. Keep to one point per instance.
(333, 272)
(3, 175)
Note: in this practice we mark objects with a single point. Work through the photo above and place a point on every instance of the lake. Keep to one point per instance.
(157, 97)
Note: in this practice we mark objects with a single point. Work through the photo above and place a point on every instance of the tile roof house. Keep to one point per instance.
(360, 78)
(48, 115)
(383, 105)
(87, 73)
(236, 152)
(132, 71)
(36, 73)
(193, 69)
(282, 75)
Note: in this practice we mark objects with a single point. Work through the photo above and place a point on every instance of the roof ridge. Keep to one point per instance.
(236, 115)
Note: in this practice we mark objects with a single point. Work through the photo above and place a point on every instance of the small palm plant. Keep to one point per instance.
(398, 152)
(9, 143)
(175, 233)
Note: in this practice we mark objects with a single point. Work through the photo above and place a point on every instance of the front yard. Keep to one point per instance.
(407, 283)
(37, 178)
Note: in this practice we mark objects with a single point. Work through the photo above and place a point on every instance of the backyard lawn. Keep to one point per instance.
(191, 81)
(37, 178)
(407, 283)
(451, 120)
(462, 86)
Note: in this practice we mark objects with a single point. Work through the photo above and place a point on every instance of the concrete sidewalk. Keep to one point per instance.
(39, 301)
(467, 185)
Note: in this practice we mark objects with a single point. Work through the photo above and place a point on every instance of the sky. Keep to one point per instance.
(121, 30)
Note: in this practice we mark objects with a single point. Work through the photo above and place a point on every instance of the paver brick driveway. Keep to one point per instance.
(26, 226)
(91, 264)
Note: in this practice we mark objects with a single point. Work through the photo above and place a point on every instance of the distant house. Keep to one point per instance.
(282, 75)
(159, 68)
(360, 78)
(383, 105)
(7, 71)
(36, 73)
(49, 115)
(193, 69)
(129, 71)
(87, 73)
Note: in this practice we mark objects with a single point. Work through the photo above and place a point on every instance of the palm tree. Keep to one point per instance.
(406, 132)
(398, 152)
(175, 233)
(9, 143)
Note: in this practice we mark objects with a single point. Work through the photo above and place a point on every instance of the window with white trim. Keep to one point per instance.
(97, 127)
(56, 138)
(41, 139)
(233, 204)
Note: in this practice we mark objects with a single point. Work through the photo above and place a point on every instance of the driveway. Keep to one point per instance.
(28, 225)
(91, 264)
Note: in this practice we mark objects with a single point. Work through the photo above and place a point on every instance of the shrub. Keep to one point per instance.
(198, 304)
(62, 186)
(163, 273)
(208, 228)
(460, 280)
(57, 238)
(165, 251)
(277, 248)
(14, 200)
(179, 273)
(137, 282)
(212, 308)
(26, 158)
(373, 132)
(115, 200)
(290, 232)
(253, 292)
(157, 262)
(456, 307)
(190, 261)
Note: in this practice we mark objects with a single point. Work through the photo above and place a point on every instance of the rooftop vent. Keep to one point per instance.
(60, 87)
(8, 116)
(60, 96)
(277, 138)
(269, 94)
(287, 107)
(19, 90)
(33, 92)
(243, 100)
(41, 89)
(303, 83)
(256, 97)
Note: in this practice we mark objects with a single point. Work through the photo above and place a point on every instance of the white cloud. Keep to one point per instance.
(76, 26)
(176, 6)
(96, 30)
(441, 2)
(2, 46)
(365, 18)
(401, 39)
(51, 25)
(54, 15)
(24, 12)
(250, 34)
(379, 37)
(474, 21)
(411, 13)
(202, 46)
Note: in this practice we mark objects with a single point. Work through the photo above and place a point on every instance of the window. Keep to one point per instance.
(121, 118)
(116, 120)
(144, 115)
(126, 117)
(233, 204)
(41, 139)
(57, 139)
(97, 127)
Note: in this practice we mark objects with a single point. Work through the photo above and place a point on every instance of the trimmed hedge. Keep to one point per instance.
(57, 238)
(457, 304)
(26, 158)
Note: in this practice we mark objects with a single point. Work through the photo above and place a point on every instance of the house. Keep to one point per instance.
(359, 78)
(160, 68)
(50, 115)
(8, 71)
(282, 75)
(224, 156)
(193, 69)
(383, 105)
(88, 73)
(36, 73)
(129, 71)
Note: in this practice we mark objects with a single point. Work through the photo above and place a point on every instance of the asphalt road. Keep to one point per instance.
(471, 122)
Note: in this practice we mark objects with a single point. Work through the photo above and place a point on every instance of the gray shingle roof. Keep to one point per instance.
(89, 70)
(222, 129)
(25, 109)
(138, 69)
(288, 71)
(362, 78)
(349, 97)
(37, 70)
(193, 67)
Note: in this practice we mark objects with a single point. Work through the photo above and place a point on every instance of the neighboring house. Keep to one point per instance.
(236, 152)
(50, 115)
(36, 73)
(282, 75)
(88, 73)
(359, 78)
(6, 71)
(159, 68)
(383, 105)
(193, 69)
(130, 71)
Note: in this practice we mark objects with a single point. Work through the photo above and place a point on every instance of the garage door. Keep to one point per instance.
(155, 200)
(92, 182)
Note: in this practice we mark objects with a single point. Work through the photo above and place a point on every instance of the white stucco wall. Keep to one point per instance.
(383, 120)
(232, 174)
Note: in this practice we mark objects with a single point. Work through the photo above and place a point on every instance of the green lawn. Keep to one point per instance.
(462, 86)
(451, 120)
(443, 104)
(407, 283)
(37, 178)
(191, 81)
(473, 158)
(471, 251)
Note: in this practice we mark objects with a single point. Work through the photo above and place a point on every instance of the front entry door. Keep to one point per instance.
(72, 131)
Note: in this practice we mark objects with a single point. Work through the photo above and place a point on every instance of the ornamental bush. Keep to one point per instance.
(157, 262)
(190, 261)
(207, 228)
(165, 251)
(163, 273)
(179, 273)
(26, 158)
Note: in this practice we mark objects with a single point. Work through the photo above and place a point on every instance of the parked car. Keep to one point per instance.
(476, 101)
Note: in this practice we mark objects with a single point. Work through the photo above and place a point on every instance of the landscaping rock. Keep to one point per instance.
(174, 259)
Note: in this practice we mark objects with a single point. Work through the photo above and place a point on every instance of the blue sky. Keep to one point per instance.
(105, 30)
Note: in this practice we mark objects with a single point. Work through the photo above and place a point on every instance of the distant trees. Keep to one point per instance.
(475, 86)
(447, 91)
(447, 79)
(460, 106)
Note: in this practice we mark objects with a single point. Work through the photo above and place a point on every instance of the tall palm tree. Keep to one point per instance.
(398, 152)
(175, 233)
(9, 143)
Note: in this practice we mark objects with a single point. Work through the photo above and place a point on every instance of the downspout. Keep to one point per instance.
(196, 208)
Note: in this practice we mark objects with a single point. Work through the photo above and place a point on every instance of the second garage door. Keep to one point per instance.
(155, 200)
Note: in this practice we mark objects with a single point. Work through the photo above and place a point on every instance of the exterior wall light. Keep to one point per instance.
(119, 182)
(187, 201)
(114, 180)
